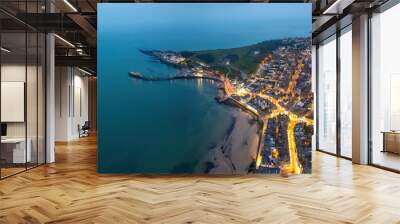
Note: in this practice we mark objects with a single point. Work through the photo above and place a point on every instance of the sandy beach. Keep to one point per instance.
(238, 150)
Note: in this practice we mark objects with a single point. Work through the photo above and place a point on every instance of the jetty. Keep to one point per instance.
(137, 75)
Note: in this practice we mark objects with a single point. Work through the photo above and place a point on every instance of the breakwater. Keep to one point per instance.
(137, 75)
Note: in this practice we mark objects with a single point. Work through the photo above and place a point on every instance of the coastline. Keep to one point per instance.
(237, 152)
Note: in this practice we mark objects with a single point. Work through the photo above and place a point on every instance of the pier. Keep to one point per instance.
(137, 75)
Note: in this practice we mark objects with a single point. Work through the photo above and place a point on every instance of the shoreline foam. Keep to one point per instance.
(238, 151)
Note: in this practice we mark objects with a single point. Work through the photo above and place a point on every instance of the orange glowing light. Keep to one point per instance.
(275, 153)
(258, 162)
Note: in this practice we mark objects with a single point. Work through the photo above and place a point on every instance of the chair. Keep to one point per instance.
(84, 130)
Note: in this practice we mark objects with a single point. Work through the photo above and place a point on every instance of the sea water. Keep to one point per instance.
(168, 127)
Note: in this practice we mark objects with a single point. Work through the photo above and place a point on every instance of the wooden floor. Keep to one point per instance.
(386, 159)
(5, 172)
(70, 191)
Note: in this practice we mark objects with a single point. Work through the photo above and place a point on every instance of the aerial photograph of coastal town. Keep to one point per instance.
(243, 105)
(271, 81)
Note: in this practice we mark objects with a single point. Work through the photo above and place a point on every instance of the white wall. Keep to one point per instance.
(80, 111)
(71, 102)
(33, 127)
(16, 73)
(62, 82)
(9, 73)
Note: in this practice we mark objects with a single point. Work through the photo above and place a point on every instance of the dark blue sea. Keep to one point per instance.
(167, 127)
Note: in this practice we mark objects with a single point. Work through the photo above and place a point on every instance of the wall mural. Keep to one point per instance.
(193, 88)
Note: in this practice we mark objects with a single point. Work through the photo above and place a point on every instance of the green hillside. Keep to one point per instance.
(234, 61)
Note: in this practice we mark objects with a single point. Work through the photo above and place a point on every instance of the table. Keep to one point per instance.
(391, 141)
(13, 150)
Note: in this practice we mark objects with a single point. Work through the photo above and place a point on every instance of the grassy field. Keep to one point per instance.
(235, 62)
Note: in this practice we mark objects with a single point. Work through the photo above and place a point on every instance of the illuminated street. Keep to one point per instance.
(277, 92)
